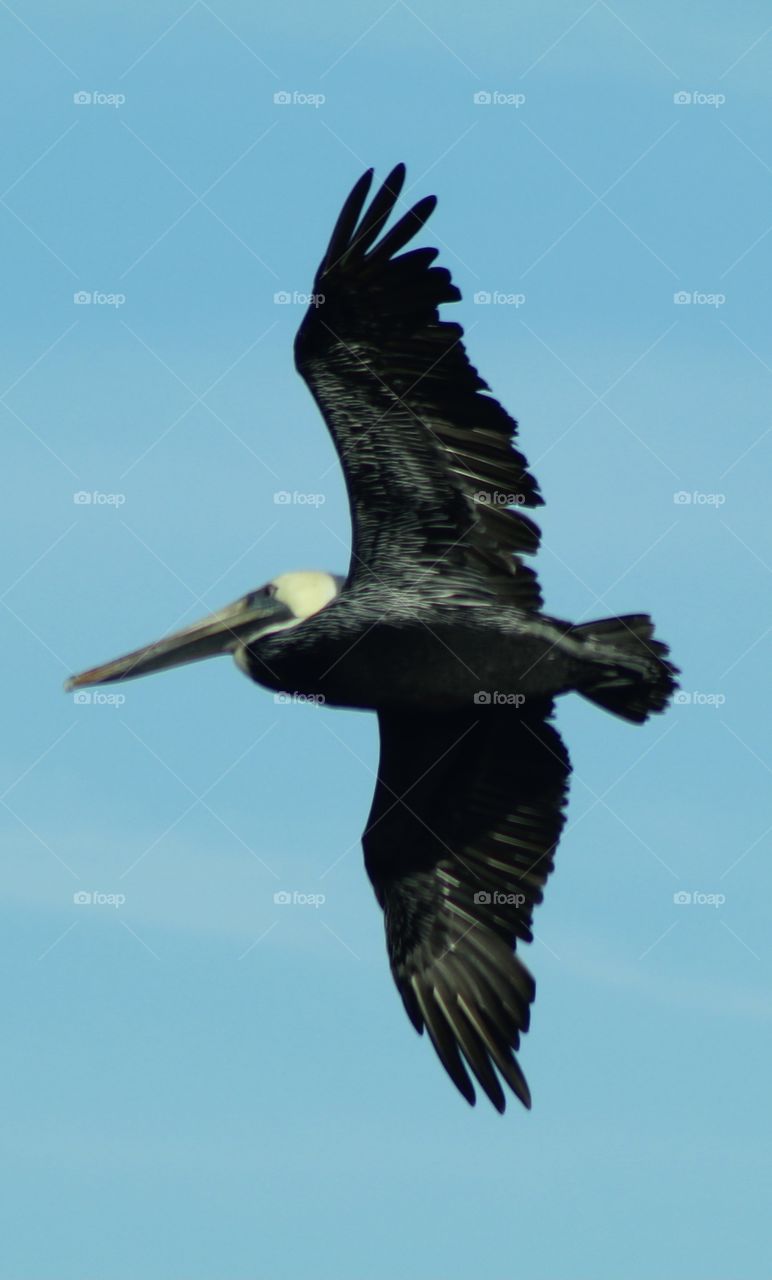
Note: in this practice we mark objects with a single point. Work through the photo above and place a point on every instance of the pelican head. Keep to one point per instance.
(282, 603)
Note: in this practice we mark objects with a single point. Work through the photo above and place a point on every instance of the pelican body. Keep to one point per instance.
(438, 627)
(444, 657)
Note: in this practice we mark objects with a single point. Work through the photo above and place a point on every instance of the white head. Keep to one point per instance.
(282, 603)
(305, 592)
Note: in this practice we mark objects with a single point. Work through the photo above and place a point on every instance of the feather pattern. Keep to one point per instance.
(467, 812)
(437, 490)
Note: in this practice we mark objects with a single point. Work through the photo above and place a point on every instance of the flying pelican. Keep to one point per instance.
(438, 627)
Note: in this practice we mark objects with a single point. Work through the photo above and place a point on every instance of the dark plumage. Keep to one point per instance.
(426, 451)
(460, 840)
(438, 628)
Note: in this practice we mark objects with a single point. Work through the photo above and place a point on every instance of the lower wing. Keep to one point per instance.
(467, 813)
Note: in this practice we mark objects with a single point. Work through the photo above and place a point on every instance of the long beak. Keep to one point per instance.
(221, 632)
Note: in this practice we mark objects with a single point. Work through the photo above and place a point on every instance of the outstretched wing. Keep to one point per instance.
(467, 812)
(436, 488)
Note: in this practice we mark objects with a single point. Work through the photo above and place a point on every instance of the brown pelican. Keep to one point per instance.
(438, 628)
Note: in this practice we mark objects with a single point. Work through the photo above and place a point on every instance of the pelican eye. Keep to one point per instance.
(261, 593)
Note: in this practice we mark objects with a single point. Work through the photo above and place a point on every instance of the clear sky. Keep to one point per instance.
(198, 1082)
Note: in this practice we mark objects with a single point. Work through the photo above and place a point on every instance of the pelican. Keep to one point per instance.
(438, 627)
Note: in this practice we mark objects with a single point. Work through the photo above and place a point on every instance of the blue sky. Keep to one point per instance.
(197, 1081)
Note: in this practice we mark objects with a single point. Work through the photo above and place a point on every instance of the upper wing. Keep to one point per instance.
(467, 812)
(436, 488)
